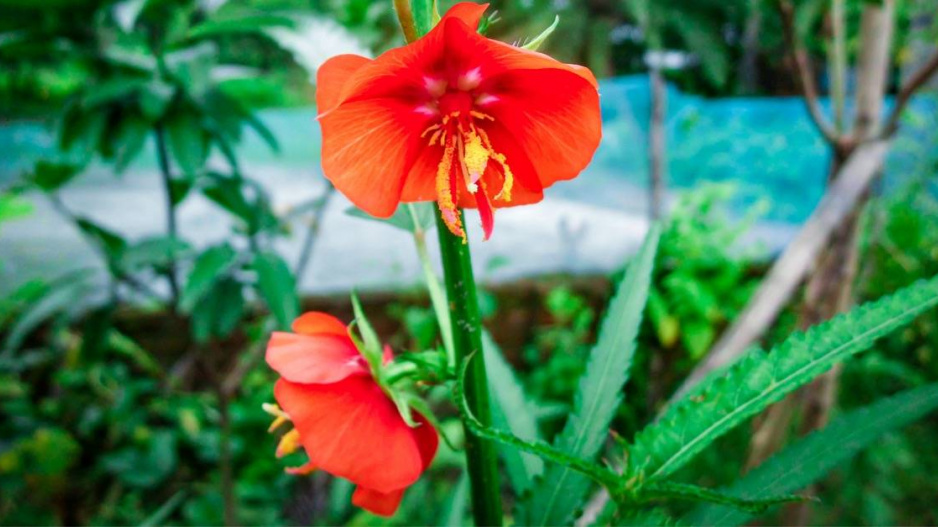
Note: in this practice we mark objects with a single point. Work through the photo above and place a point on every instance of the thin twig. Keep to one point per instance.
(912, 85)
(117, 275)
(312, 233)
(804, 75)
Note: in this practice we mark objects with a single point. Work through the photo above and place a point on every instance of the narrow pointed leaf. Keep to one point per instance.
(512, 411)
(761, 379)
(556, 497)
(682, 491)
(809, 459)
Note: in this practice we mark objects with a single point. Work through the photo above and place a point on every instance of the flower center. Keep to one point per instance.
(467, 145)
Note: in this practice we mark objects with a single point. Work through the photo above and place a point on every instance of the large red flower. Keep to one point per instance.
(455, 118)
(345, 422)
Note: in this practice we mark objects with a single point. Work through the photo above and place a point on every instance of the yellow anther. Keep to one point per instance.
(430, 129)
(274, 410)
(302, 470)
(446, 195)
(480, 115)
(436, 135)
(505, 192)
(289, 443)
(277, 423)
(476, 157)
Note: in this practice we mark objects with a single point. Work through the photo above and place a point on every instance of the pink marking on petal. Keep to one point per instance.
(486, 99)
(435, 87)
(470, 79)
(427, 110)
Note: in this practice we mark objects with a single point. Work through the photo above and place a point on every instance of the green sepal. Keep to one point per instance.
(370, 345)
(534, 44)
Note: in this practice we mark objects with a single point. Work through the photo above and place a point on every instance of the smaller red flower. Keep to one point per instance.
(343, 419)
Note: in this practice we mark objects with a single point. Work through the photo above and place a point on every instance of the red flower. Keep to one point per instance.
(457, 118)
(347, 424)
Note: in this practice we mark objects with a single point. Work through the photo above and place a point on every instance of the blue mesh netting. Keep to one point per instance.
(766, 146)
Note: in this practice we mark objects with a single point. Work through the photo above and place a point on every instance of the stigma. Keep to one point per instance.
(467, 152)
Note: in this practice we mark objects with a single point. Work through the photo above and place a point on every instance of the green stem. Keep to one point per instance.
(466, 323)
(437, 297)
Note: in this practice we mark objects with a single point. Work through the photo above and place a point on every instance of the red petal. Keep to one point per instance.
(331, 78)
(485, 214)
(386, 504)
(553, 115)
(314, 323)
(368, 147)
(421, 180)
(314, 358)
(428, 440)
(352, 429)
(470, 13)
(380, 503)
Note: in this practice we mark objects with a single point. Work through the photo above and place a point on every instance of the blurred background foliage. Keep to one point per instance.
(47, 57)
(127, 405)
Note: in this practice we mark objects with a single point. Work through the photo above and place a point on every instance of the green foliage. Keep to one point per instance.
(555, 498)
(98, 428)
(702, 278)
(210, 267)
(278, 288)
(722, 402)
(807, 460)
(557, 353)
(512, 410)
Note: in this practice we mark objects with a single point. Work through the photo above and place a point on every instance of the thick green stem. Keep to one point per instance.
(466, 323)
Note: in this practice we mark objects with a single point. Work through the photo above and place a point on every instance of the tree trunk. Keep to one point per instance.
(656, 143)
(749, 67)
(830, 289)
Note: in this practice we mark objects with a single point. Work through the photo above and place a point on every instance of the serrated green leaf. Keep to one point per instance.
(209, 268)
(760, 379)
(277, 285)
(809, 459)
(681, 491)
(512, 411)
(556, 497)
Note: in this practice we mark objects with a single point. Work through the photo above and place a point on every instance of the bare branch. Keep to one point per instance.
(912, 85)
(804, 73)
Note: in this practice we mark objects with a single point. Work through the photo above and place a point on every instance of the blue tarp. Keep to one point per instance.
(767, 146)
